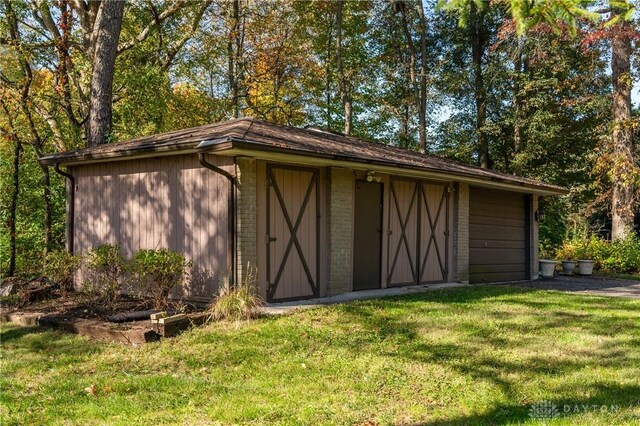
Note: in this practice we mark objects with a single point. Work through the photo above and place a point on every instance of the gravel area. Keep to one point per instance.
(591, 285)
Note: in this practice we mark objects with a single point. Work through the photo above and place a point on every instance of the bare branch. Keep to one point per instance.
(175, 48)
(146, 32)
(42, 14)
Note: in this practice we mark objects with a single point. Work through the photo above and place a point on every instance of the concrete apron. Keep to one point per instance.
(287, 307)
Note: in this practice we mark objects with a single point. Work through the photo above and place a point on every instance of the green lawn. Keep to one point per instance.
(477, 355)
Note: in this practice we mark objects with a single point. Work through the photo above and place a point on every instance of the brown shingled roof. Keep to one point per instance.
(259, 135)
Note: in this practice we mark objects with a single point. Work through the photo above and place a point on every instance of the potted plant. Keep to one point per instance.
(585, 262)
(547, 266)
(565, 254)
(568, 267)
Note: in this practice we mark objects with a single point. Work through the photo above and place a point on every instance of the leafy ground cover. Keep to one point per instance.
(481, 355)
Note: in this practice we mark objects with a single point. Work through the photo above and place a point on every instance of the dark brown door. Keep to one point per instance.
(368, 236)
(498, 236)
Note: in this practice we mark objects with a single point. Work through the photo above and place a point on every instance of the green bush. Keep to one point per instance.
(617, 256)
(105, 274)
(156, 273)
(60, 267)
(236, 303)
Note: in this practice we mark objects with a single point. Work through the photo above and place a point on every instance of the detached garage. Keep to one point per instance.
(313, 213)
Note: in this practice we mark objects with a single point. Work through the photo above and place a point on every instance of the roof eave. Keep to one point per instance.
(239, 147)
(74, 157)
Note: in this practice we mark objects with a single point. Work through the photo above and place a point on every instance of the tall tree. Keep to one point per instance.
(15, 189)
(623, 194)
(235, 47)
(343, 81)
(478, 37)
(418, 62)
(23, 85)
(519, 68)
(109, 23)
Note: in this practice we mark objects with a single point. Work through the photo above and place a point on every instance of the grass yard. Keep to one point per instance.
(479, 355)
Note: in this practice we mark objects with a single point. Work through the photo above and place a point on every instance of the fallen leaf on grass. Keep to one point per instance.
(91, 390)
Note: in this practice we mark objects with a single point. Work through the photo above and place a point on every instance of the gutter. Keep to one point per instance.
(232, 197)
(71, 211)
(236, 146)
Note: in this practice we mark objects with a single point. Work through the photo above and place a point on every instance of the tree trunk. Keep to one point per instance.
(404, 125)
(419, 89)
(328, 72)
(622, 202)
(345, 96)
(518, 137)
(478, 46)
(233, 47)
(422, 102)
(106, 46)
(46, 196)
(518, 142)
(17, 152)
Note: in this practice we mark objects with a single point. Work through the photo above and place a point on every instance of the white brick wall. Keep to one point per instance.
(461, 234)
(340, 228)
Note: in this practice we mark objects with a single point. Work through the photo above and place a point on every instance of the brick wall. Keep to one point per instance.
(247, 215)
(461, 234)
(340, 229)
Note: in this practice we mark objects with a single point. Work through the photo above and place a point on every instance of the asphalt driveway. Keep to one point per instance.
(588, 285)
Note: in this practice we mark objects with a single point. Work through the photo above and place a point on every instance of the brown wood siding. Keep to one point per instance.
(167, 202)
(497, 236)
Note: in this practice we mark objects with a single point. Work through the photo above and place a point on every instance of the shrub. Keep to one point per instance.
(236, 303)
(568, 251)
(60, 266)
(105, 269)
(620, 256)
(617, 256)
(157, 272)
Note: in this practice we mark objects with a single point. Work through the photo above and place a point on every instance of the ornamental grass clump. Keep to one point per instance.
(236, 303)
(156, 272)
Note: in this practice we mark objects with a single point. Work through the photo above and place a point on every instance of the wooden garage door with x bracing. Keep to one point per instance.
(292, 233)
(418, 249)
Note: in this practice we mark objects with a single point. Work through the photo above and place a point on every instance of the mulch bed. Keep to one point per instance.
(72, 311)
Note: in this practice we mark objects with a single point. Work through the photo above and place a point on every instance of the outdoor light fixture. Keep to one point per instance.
(539, 215)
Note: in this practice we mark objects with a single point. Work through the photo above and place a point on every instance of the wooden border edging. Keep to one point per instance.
(165, 327)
